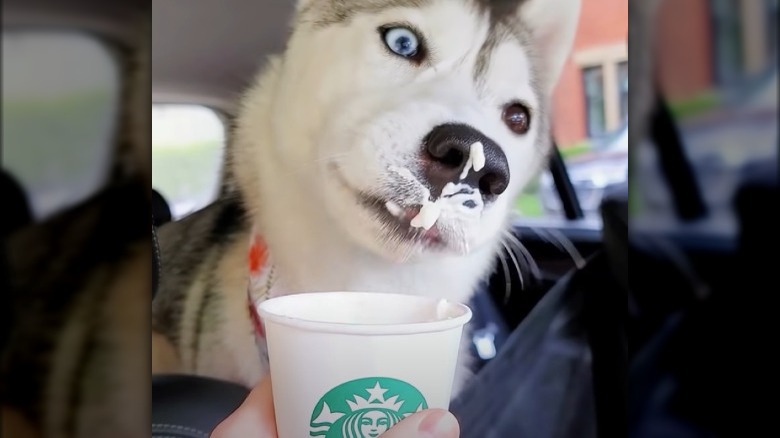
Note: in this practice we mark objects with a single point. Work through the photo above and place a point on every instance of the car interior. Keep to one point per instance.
(210, 67)
(623, 324)
(206, 52)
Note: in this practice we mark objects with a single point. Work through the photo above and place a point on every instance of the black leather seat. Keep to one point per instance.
(700, 372)
(186, 406)
(190, 406)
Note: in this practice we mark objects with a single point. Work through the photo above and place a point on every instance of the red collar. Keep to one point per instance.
(256, 321)
(259, 276)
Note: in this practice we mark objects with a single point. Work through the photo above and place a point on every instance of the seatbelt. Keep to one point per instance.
(155, 261)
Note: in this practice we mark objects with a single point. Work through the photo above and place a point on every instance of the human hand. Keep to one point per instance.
(255, 418)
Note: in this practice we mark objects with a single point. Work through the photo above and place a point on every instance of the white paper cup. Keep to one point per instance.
(352, 364)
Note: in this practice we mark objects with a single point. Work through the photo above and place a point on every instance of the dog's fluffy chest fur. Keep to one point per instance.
(230, 350)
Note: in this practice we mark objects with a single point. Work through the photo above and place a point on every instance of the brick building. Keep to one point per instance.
(701, 46)
(704, 45)
(592, 94)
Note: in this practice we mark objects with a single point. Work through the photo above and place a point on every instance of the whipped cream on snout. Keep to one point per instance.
(477, 155)
(428, 215)
(462, 200)
(458, 201)
(476, 160)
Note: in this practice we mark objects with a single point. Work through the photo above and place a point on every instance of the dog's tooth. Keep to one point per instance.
(394, 208)
(427, 217)
(477, 156)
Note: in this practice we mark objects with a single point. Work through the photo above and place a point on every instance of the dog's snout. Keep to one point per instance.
(448, 149)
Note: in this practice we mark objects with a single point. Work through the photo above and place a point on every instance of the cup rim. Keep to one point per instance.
(307, 324)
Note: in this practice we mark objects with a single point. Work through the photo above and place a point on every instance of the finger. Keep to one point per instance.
(432, 423)
(254, 418)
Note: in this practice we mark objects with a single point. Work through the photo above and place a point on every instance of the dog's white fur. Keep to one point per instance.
(337, 96)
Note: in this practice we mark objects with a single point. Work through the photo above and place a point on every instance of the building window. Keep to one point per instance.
(593, 80)
(622, 76)
(729, 57)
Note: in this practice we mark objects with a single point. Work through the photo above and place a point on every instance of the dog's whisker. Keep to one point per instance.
(507, 274)
(567, 244)
(529, 259)
(562, 243)
(517, 266)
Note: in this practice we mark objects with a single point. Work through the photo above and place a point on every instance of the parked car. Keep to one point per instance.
(606, 163)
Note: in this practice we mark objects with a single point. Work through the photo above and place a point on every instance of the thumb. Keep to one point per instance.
(431, 423)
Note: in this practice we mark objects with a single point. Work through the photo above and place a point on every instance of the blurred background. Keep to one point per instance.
(715, 64)
(59, 87)
(700, 263)
(76, 259)
(703, 216)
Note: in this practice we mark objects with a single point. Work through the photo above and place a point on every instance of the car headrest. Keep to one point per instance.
(155, 262)
(161, 211)
(758, 221)
(16, 207)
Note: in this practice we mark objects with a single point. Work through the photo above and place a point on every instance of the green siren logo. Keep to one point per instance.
(365, 408)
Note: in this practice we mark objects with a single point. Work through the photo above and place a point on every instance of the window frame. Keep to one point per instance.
(622, 103)
(600, 78)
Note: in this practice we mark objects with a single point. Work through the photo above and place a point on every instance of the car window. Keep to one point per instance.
(723, 99)
(60, 90)
(589, 117)
(188, 143)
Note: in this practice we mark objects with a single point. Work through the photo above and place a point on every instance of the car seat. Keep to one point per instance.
(161, 211)
(16, 207)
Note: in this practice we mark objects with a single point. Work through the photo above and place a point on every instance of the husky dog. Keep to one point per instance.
(382, 151)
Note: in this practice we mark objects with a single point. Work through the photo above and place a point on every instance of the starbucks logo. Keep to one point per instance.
(364, 408)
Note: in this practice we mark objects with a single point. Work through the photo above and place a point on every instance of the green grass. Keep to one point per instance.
(694, 106)
(188, 171)
(575, 149)
(529, 205)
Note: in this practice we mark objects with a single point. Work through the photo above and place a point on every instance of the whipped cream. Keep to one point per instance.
(457, 200)
(477, 155)
(428, 215)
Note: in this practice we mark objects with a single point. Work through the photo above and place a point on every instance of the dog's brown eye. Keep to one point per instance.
(517, 118)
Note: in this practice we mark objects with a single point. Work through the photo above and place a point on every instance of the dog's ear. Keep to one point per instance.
(553, 25)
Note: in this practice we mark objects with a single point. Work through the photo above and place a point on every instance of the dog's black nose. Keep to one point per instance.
(448, 150)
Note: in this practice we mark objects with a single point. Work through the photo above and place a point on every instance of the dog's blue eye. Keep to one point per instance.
(402, 41)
